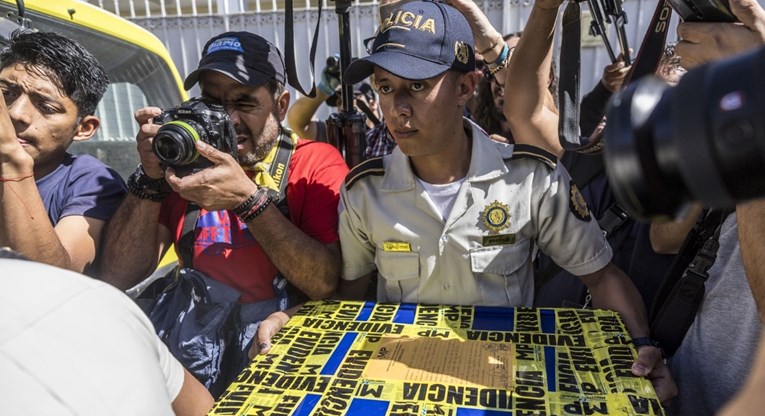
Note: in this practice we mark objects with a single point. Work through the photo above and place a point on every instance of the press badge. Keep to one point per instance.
(396, 246)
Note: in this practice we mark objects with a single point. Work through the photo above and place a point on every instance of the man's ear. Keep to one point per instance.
(283, 103)
(466, 84)
(86, 128)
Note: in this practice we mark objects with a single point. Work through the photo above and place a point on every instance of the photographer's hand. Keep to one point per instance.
(703, 42)
(330, 81)
(614, 74)
(149, 161)
(223, 186)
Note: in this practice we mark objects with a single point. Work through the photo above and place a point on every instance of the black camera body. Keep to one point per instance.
(702, 140)
(183, 126)
(703, 10)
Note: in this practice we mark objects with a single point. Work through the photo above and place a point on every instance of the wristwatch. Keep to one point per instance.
(144, 187)
(647, 341)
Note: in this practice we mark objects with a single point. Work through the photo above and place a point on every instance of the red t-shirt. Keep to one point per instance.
(225, 250)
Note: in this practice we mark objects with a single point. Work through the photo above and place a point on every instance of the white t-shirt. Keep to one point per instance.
(72, 345)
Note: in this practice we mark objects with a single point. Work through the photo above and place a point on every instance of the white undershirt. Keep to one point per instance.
(442, 195)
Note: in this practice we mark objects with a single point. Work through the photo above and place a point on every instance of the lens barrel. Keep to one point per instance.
(703, 140)
(174, 143)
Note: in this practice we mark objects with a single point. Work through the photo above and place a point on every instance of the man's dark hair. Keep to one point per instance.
(74, 70)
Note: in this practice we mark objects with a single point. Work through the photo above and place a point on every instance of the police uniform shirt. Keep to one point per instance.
(513, 199)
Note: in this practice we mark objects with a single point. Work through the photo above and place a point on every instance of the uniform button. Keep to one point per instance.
(444, 237)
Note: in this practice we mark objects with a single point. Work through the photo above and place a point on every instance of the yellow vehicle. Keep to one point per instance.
(140, 69)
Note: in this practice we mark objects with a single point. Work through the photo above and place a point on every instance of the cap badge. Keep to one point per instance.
(461, 51)
(496, 217)
(225, 44)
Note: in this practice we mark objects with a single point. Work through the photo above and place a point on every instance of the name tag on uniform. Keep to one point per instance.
(498, 240)
(396, 246)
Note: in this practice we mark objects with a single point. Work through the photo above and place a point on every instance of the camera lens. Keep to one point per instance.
(174, 143)
(702, 140)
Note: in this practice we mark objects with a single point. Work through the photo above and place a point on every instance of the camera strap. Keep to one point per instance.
(272, 171)
(289, 49)
(682, 289)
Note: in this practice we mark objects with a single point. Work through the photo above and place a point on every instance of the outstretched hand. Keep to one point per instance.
(703, 42)
(266, 330)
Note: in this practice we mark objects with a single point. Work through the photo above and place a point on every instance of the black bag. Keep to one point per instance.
(198, 319)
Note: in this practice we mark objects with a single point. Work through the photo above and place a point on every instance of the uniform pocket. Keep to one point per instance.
(399, 275)
(502, 274)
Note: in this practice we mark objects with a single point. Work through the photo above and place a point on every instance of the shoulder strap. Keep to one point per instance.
(186, 242)
(682, 290)
(522, 151)
(373, 166)
(279, 169)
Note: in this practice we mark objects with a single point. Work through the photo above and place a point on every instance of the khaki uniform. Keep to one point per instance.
(513, 200)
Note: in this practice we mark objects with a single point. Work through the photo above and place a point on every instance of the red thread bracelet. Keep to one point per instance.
(16, 179)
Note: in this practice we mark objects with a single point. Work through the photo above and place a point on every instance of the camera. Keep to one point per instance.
(703, 10)
(333, 65)
(183, 126)
(702, 140)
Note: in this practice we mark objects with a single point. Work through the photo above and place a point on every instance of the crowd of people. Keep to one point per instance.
(466, 197)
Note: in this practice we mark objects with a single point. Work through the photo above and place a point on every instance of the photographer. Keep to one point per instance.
(723, 337)
(243, 240)
(53, 205)
(533, 117)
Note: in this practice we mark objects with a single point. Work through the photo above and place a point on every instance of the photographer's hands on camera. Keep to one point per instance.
(223, 186)
(703, 42)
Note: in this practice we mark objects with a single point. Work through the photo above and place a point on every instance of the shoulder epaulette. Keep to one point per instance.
(373, 166)
(527, 151)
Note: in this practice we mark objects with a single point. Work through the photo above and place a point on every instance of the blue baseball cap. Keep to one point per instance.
(246, 57)
(419, 40)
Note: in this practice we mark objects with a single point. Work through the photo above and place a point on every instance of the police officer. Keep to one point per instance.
(451, 217)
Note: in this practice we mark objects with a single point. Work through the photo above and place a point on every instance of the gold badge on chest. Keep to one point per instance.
(496, 217)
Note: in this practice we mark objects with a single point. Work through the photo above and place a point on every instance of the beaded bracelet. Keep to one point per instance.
(256, 210)
(142, 186)
(257, 198)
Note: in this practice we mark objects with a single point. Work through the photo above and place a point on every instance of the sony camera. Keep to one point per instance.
(183, 126)
(702, 140)
(703, 10)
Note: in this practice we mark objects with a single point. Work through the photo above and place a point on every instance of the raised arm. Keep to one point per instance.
(529, 106)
